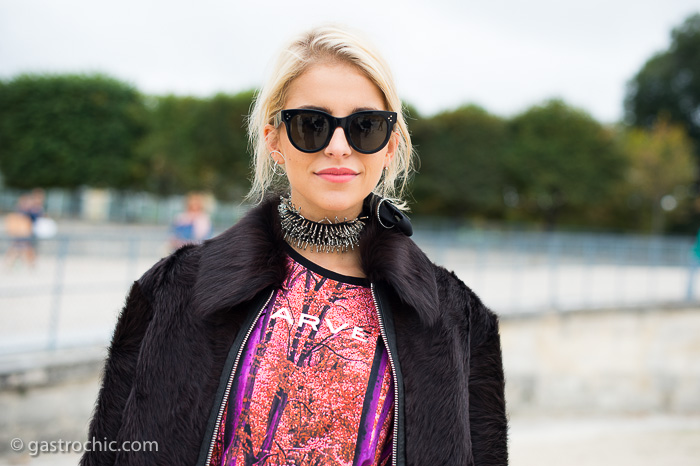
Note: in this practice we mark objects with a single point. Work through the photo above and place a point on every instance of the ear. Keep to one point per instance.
(391, 148)
(272, 141)
(271, 138)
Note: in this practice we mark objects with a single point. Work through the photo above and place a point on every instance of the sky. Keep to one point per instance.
(504, 55)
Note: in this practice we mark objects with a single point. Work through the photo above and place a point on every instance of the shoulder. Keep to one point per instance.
(463, 302)
(235, 246)
(224, 271)
(451, 286)
(177, 270)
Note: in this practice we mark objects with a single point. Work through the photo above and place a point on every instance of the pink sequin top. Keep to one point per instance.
(313, 385)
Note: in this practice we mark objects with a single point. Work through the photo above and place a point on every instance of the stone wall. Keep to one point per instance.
(48, 396)
(603, 362)
(593, 362)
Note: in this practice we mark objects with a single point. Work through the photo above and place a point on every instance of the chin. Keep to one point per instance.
(339, 207)
(342, 203)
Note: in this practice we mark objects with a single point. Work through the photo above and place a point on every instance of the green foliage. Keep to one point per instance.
(669, 83)
(223, 157)
(462, 153)
(68, 131)
(560, 162)
(197, 144)
(551, 164)
(660, 163)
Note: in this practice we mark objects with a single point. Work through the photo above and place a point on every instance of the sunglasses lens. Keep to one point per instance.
(309, 131)
(368, 132)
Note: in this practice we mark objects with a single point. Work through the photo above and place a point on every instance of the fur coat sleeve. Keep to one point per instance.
(487, 414)
(118, 373)
(121, 365)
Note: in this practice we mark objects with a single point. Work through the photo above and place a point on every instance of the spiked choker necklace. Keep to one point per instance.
(323, 236)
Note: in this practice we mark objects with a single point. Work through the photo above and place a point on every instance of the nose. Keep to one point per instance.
(338, 146)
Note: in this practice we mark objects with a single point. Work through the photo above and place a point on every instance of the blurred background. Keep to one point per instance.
(559, 147)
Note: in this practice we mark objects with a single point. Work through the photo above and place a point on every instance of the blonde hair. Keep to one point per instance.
(326, 44)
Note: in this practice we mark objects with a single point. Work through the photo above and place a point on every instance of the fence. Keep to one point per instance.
(118, 206)
(73, 295)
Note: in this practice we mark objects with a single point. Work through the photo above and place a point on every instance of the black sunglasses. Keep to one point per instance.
(311, 130)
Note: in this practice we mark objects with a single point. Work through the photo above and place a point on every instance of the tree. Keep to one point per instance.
(167, 152)
(669, 83)
(660, 164)
(197, 144)
(461, 170)
(561, 161)
(69, 131)
(223, 160)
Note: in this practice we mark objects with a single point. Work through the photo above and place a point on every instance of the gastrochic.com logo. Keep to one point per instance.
(39, 447)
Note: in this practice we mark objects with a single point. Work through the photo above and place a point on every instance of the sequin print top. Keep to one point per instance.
(313, 384)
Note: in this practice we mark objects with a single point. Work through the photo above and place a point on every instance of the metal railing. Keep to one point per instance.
(517, 272)
(73, 294)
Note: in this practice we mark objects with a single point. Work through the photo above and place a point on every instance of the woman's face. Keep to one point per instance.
(337, 89)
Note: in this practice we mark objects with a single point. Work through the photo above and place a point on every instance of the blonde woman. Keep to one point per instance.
(314, 331)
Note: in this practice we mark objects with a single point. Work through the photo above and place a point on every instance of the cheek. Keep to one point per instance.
(374, 170)
(284, 144)
(296, 165)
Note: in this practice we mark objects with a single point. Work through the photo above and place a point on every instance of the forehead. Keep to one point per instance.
(338, 88)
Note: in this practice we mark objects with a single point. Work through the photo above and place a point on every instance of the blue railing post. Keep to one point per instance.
(132, 265)
(439, 239)
(481, 262)
(621, 258)
(654, 261)
(554, 252)
(589, 254)
(517, 255)
(692, 270)
(57, 292)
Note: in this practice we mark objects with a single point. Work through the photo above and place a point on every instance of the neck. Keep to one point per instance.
(317, 213)
(334, 246)
(326, 236)
(345, 263)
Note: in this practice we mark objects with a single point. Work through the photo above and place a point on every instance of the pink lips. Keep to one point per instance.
(337, 175)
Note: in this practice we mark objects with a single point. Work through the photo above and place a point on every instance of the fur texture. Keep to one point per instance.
(172, 338)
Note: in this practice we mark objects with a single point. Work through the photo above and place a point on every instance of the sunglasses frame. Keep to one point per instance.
(287, 115)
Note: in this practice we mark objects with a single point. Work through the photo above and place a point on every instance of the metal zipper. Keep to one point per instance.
(395, 437)
(217, 425)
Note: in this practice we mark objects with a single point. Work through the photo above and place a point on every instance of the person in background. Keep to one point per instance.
(20, 224)
(193, 225)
